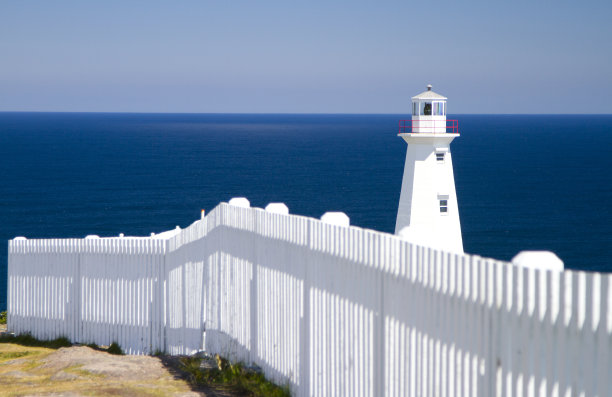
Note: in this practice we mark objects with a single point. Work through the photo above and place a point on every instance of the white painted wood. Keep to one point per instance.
(544, 260)
(332, 310)
(240, 202)
(277, 208)
(336, 218)
(428, 213)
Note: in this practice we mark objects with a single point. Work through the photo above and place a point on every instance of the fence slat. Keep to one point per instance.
(328, 309)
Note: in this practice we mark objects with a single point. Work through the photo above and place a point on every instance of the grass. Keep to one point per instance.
(4, 356)
(22, 369)
(29, 340)
(234, 378)
(76, 370)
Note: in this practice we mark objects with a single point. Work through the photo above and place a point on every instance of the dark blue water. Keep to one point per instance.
(523, 182)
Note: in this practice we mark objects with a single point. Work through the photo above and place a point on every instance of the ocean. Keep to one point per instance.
(524, 182)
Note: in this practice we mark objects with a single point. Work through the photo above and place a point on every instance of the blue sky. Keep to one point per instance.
(305, 57)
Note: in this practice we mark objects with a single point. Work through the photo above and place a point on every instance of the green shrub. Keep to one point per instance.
(3, 317)
(234, 377)
(114, 348)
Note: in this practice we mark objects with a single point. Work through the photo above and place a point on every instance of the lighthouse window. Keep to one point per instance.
(440, 157)
(443, 206)
(427, 109)
(415, 109)
(439, 109)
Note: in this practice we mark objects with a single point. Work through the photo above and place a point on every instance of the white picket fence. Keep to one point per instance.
(330, 310)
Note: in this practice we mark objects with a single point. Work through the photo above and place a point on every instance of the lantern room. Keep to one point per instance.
(428, 103)
(428, 115)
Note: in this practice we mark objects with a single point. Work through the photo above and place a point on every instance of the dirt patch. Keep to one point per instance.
(61, 375)
(67, 394)
(100, 363)
(82, 371)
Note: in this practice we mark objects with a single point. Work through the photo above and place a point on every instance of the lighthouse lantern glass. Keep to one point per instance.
(437, 108)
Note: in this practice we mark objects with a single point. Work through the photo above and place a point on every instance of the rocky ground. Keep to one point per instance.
(82, 371)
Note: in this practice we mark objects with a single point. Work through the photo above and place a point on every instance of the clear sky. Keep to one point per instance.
(317, 56)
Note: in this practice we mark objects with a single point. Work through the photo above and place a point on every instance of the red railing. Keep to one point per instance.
(428, 126)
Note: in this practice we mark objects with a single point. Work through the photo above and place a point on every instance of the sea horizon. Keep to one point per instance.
(298, 113)
(524, 182)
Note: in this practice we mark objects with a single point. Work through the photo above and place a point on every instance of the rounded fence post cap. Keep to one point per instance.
(278, 208)
(240, 202)
(543, 260)
(336, 218)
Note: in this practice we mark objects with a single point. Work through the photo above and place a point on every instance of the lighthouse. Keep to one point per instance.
(428, 213)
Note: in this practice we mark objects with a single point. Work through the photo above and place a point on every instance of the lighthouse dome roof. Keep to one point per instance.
(429, 94)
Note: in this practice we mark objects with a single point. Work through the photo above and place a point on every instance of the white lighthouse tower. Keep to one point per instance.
(428, 213)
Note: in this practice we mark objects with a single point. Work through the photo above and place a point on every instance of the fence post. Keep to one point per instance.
(78, 295)
(378, 330)
(253, 292)
(305, 323)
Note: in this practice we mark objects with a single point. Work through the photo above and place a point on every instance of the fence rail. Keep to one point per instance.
(331, 310)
